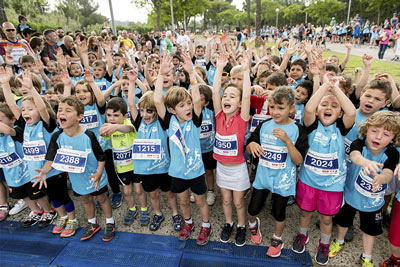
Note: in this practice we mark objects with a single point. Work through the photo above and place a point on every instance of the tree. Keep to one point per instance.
(229, 17)
(217, 7)
(258, 16)
(322, 11)
(248, 16)
(69, 8)
(292, 11)
(3, 16)
(156, 7)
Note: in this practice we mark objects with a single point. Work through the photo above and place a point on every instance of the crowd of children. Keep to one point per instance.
(146, 120)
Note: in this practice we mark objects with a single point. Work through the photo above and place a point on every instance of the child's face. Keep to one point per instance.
(24, 91)
(270, 87)
(181, 76)
(125, 87)
(156, 67)
(29, 112)
(203, 101)
(263, 82)
(4, 119)
(117, 60)
(83, 94)
(51, 97)
(148, 114)
(261, 68)
(333, 60)
(67, 116)
(76, 70)
(51, 67)
(168, 80)
(200, 73)
(115, 117)
(371, 101)
(329, 110)
(237, 79)
(92, 58)
(175, 61)
(199, 52)
(300, 95)
(56, 79)
(183, 110)
(98, 72)
(231, 100)
(214, 59)
(296, 72)
(280, 112)
(378, 138)
(27, 66)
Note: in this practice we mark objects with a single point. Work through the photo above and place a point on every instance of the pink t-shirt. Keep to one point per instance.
(388, 33)
(229, 138)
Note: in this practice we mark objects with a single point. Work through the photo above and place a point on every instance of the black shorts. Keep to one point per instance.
(196, 185)
(102, 190)
(154, 181)
(257, 201)
(370, 222)
(27, 190)
(126, 178)
(57, 188)
(208, 160)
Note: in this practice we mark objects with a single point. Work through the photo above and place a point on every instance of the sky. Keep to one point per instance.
(124, 10)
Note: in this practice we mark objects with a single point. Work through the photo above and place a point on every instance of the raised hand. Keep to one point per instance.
(313, 68)
(66, 80)
(222, 60)
(132, 75)
(88, 76)
(367, 60)
(26, 80)
(166, 64)
(5, 75)
(187, 63)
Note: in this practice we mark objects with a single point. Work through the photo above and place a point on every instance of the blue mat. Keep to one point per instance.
(39, 247)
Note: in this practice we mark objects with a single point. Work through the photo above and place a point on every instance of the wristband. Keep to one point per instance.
(192, 82)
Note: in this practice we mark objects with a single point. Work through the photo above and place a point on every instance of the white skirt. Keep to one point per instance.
(234, 178)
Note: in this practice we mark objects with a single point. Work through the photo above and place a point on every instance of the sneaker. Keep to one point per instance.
(226, 233)
(130, 216)
(299, 243)
(60, 225)
(240, 239)
(18, 207)
(255, 232)
(109, 232)
(334, 248)
(365, 262)
(144, 217)
(47, 218)
(204, 235)
(70, 229)
(32, 219)
(210, 198)
(390, 263)
(274, 250)
(322, 256)
(116, 200)
(90, 231)
(291, 201)
(156, 222)
(177, 221)
(192, 197)
(184, 234)
(350, 234)
(3, 212)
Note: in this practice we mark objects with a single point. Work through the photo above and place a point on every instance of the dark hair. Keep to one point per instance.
(26, 59)
(117, 104)
(73, 101)
(331, 67)
(281, 94)
(47, 32)
(300, 62)
(277, 79)
(238, 29)
(59, 88)
(21, 17)
(308, 85)
(35, 42)
(206, 91)
(276, 59)
(381, 85)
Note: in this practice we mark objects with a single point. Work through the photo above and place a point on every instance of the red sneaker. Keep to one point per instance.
(205, 233)
(184, 234)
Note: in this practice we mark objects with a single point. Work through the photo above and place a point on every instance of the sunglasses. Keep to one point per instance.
(225, 74)
(148, 110)
(10, 30)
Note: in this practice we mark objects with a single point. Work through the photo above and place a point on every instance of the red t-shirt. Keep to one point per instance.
(229, 138)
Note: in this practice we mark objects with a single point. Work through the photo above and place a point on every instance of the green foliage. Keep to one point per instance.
(216, 8)
(292, 11)
(323, 10)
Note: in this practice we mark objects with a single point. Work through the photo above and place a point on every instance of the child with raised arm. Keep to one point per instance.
(150, 155)
(77, 151)
(232, 117)
(373, 160)
(281, 145)
(328, 117)
(183, 124)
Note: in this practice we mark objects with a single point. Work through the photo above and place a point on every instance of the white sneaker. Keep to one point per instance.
(191, 197)
(18, 207)
(210, 198)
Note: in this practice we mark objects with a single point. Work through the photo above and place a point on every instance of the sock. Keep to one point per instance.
(189, 221)
(367, 256)
(206, 224)
(325, 239)
(303, 231)
(133, 209)
(92, 221)
(74, 220)
(4, 206)
(65, 217)
(143, 209)
(341, 242)
(231, 224)
(251, 225)
(210, 190)
(110, 220)
(240, 226)
(277, 237)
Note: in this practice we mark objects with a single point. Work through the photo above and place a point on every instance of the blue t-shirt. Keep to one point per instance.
(93, 119)
(353, 134)
(298, 117)
(102, 83)
(207, 132)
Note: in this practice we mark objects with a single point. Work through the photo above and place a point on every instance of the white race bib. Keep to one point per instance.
(9, 160)
(322, 164)
(206, 129)
(363, 185)
(102, 86)
(68, 160)
(90, 119)
(256, 120)
(347, 144)
(122, 155)
(226, 145)
(274, 157)
(34, 150)
(147, 149)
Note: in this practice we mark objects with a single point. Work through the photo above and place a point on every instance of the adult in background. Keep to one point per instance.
(60, 36)
(128, 43)
(20, 47)
(27, 34)
(183, 40)
(384, 40)
(239, 37)
(69, 49)
(50, 47)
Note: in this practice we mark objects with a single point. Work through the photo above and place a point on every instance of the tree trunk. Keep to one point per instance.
(258, 17)
(205, 21)
(248, 18)
(158, 9)
(3, 16)
(194, 25)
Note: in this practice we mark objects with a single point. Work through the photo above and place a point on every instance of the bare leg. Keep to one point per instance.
(184, 203)
(238, 200)
(105, 204)
(227, 204)
(172, 202)
(203, 206)
(141, 194)
(128, 196)
(155, 201)
(89, 206)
